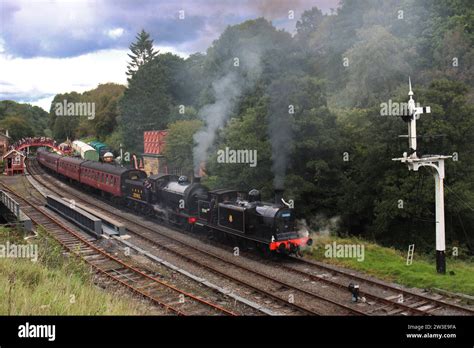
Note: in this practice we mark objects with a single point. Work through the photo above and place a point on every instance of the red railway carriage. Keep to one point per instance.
(107, 177)
(48, 159)
(70, 167)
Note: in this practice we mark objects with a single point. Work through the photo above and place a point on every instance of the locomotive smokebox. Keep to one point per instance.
(278, 196)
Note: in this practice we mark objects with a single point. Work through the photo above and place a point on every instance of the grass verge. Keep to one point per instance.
(53, 285)
(390, 264)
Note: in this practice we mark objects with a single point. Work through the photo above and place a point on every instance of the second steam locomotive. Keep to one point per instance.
(269, 226)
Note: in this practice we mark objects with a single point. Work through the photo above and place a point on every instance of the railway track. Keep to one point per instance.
(296, 299)
(143, 283)
(412, 304)
(400, 299)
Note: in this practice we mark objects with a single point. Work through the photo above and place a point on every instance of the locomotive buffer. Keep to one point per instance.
(436, 162)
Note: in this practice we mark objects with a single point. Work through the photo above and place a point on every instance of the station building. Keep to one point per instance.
(14, 162)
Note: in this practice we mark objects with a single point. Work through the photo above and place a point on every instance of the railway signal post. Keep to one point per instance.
(436, 162)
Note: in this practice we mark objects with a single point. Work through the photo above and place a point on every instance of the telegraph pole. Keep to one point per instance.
(436, 162)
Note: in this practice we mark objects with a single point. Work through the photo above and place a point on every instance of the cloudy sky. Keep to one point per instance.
(50, 47)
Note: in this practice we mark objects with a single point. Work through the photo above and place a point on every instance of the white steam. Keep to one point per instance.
(227, 91)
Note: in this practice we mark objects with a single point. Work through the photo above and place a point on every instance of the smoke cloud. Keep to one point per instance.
(227, 90)
(280, 128)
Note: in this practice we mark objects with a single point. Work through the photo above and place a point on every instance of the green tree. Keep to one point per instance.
(105, 98)
(179, 144)
(18, 127)
(247, 132)
(35, 116)
(149, 99)
(309, 23)
(64, 127)
(142, 53)
(377, 65)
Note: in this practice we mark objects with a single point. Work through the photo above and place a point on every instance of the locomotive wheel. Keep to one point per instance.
(267, 253)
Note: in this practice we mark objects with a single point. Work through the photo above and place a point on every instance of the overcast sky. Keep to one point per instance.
(50, 47)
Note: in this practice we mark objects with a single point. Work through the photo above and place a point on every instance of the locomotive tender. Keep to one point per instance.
(269, 226)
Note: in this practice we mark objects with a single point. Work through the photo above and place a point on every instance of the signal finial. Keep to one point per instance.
(410, 93)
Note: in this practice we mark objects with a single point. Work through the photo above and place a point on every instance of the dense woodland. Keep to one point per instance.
(332, 149)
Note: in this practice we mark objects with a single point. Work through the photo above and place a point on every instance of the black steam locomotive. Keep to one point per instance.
(271, 226)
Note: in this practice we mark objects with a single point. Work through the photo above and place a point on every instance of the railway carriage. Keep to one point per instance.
(108, 178)
(70, 167)
(49, 159)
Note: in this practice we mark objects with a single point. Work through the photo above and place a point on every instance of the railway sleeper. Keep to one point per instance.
(133, 278)
(434, 309)
(105, 264)
(426, 308)
(91, 257)
(88, 251)
(395, 311)
(417, 304)
(147, 285)
(378, 309)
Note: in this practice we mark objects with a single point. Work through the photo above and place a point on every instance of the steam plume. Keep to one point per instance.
(280, 129)
(227, 91)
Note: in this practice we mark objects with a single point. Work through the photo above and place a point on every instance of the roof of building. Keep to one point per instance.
(10, 152)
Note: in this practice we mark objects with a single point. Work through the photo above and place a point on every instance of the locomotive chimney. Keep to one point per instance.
(278, 196)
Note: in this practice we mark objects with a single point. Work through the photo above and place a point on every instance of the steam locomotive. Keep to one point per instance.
(271, 227)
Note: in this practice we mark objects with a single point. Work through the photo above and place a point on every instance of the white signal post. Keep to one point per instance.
(437, 163)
